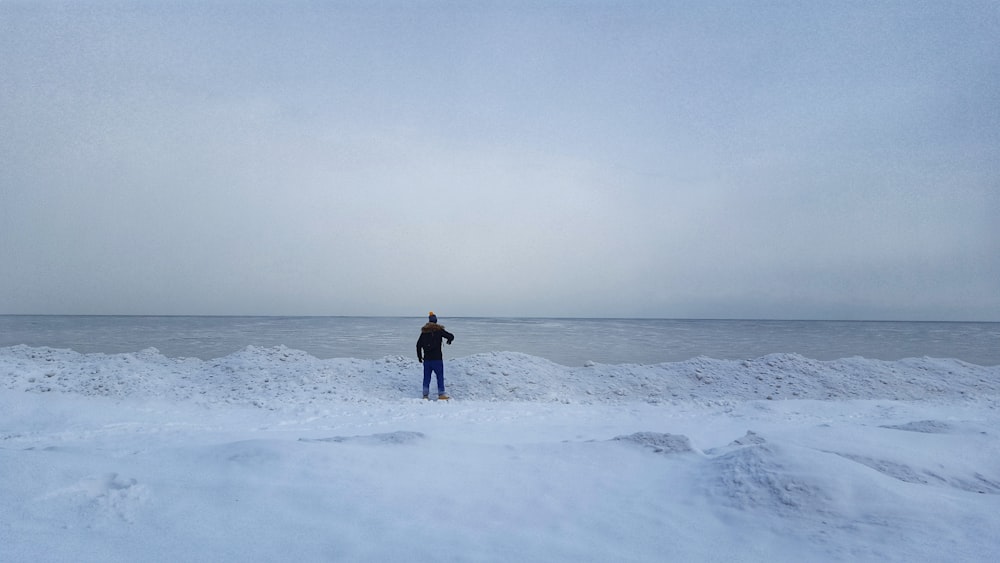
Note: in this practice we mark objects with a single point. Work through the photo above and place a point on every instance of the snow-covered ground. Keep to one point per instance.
(272, 455)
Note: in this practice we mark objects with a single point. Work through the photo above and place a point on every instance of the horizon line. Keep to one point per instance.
(557, 317)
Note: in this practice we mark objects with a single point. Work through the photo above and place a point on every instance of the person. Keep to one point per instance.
(429, 353)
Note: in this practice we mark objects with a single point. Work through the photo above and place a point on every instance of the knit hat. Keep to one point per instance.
(432, 317)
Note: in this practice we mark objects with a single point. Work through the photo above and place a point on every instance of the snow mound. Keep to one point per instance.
(924, 426)
(659, 443)
(104, 500)
(280, 377)
(938, 475)
(766, 477)
(398, 437)
(751, 438)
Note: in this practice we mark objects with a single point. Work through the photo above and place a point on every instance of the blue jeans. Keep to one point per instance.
(437, 367)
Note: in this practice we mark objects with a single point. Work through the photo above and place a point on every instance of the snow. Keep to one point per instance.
(271, 454)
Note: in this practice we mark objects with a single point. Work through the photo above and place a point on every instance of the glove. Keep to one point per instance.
(421, 360)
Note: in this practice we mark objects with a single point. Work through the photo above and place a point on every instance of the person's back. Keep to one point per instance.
(431, 335)
(429, 353)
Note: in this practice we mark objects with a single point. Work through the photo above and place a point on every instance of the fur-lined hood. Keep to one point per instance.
(431, 327)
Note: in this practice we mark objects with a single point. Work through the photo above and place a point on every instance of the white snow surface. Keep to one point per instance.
(271, 454)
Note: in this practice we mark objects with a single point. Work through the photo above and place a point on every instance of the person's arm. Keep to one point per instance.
(449, 336)
(420, 351)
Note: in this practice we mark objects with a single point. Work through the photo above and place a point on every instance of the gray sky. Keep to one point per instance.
(817, 160)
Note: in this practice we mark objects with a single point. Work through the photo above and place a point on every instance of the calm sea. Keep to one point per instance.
(571, 342)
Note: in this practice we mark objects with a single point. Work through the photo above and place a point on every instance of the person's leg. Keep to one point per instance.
(439, 371)
(427, 377)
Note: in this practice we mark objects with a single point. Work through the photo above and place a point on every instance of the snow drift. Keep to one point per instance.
(280, 377)
(271, 454)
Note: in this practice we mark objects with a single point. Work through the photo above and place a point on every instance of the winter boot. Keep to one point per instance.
(443, 397)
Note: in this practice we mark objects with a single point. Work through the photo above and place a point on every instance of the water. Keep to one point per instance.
(570, 342)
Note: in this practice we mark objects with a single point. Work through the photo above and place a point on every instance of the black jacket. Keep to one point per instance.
(429, 343)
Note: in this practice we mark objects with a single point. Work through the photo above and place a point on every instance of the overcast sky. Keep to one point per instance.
(793, 160)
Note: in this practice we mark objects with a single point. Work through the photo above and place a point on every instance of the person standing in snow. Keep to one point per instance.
(429, 353)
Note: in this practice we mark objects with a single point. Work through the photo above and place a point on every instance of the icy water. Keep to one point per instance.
(569, 342)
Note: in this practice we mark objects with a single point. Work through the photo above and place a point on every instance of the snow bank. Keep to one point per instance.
(280, 377)
(270, 454)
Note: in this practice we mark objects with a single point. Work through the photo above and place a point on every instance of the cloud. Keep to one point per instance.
(818, 162)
